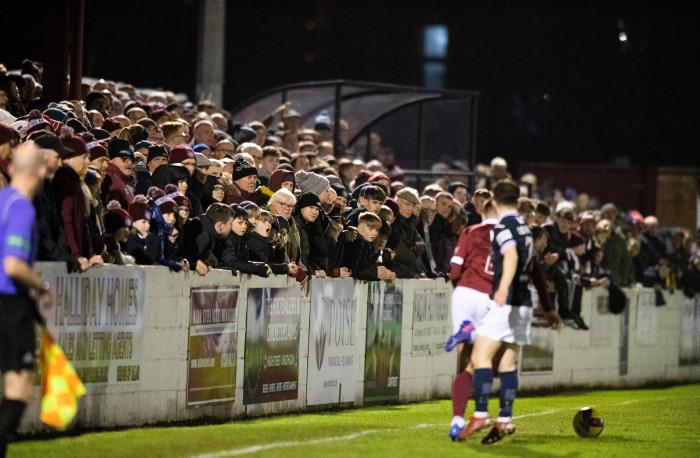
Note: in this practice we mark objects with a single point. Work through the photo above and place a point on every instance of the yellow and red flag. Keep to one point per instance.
(60, 385)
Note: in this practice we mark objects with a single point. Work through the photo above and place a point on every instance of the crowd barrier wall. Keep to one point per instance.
(154, 346)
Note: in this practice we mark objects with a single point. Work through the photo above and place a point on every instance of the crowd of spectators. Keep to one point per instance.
(139, 178)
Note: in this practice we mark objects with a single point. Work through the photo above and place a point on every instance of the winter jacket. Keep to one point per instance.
(358, 256)
(260, 251)
(200, 242)
(408, 246)
(70, 202)
(312, 243)
(146, 251)
(52, 240)
(236, 255)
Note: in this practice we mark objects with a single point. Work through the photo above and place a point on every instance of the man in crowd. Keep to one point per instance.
(405, 243)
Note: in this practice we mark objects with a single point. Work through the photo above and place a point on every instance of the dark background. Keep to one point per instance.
(556, 84)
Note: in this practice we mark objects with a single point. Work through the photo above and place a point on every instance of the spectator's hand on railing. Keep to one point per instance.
(385, 274)
(97, 261)
(185, 265)
(345, 272)
(201, 268)
(292, 268)
(320, 274)
(84, 264)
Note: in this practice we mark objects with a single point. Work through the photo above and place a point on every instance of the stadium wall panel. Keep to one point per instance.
(128, 332)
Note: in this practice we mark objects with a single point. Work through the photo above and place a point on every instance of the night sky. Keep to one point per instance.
(556, 82)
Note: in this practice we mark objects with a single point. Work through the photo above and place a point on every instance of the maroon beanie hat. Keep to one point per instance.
(180, 153)
(166, 205)
(181, 200)
(72, 144)
(116, 217)
(96, 148)
(111, 124)
(36, 122)
(139, 210)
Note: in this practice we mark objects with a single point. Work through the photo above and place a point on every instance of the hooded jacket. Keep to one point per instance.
(70, 202)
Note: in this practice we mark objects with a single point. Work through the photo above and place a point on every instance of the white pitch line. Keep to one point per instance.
(326, 440)
(260, 448)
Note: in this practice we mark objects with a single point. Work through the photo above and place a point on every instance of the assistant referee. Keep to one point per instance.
(20, 287)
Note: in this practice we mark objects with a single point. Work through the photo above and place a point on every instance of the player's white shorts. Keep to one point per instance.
(468, 304)
(507, 324)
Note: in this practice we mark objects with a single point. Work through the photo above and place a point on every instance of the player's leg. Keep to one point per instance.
(509, 382)
(461, 390)
(508, 373)
(461, 385)
(520, 319)
(482, 354)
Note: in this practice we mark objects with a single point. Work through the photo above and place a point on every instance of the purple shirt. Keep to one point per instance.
(18, 234)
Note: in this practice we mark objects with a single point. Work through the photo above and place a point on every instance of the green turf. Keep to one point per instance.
(638, 423)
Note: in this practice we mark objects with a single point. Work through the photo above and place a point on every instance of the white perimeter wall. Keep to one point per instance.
(578, 358)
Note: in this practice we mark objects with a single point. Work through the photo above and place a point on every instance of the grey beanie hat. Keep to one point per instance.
(311, 182)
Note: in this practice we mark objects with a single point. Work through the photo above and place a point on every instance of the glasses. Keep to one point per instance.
(285, 205)
(218, 187)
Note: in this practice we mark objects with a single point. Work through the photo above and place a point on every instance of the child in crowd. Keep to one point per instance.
(358, 257)
(259, 246)
(371, 199)
(237, 253)
(117, 224)
(142, 244)
(203, 238)
(314, 251)
(386, 214)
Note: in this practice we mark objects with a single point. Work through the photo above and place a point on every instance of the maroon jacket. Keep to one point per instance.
(117, 186)
(70, 202)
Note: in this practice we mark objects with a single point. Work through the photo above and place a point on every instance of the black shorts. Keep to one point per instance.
(17, 333)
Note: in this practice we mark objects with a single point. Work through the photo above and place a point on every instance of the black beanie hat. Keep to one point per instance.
(120, 148)
(242, 169)
(239, 212)
(155, 151)
(308, 199)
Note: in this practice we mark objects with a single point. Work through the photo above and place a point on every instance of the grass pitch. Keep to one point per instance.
(638, 423)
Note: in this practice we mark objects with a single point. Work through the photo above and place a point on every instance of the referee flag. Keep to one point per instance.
(60, 385)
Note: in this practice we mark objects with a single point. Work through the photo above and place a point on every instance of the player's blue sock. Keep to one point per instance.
(481, 388)
(509, 386)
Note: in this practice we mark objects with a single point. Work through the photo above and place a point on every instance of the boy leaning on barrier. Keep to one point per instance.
(204, 238)
(358, 257)
(237, 254)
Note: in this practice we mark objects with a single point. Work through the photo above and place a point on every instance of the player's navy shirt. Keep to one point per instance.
(18, 234)
(511, 230)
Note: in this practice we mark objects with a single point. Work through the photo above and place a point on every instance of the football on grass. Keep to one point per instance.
(588, 422)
